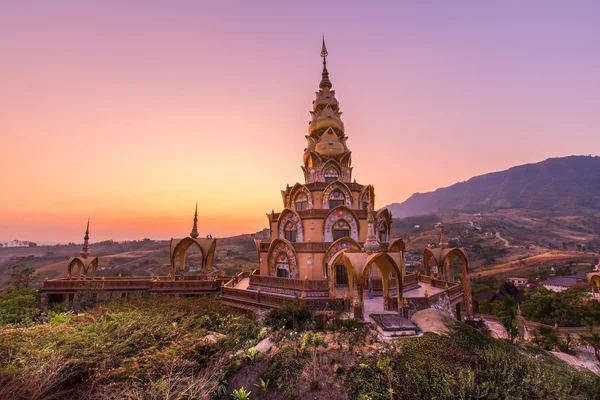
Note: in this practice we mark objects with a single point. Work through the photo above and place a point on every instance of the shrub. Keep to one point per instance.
(19, 307)
(292, 315)
(283, 367)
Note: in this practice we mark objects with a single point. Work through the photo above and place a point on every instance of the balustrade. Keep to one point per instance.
(286, 283)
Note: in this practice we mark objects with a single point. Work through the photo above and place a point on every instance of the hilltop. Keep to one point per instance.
(568, 184)
(535, 214)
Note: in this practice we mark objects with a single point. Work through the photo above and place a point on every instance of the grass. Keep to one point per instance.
(156, 346)
(196, 348)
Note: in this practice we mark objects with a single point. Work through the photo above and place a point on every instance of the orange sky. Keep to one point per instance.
(129, 114)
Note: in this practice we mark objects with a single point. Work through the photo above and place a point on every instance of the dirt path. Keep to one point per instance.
(506, 243)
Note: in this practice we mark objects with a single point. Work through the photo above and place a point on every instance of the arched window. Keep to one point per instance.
(341, 278)
(283, 266)
(336, 198)
(365, 202)
(383, 234)
(341, 229)
(331, 175)
(290, 231)
(301, 202)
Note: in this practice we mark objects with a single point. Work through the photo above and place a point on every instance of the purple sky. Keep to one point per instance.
(129, 112)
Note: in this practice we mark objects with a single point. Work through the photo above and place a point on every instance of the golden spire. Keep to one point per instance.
(325, 82)
(85, 250)
(443, 242)
(194, 232)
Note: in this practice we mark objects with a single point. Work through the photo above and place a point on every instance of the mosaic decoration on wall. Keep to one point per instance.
(337, 187)
(332, 173)
(291, 217)
(442, 303)
(314, 175)
(301, 195)
(340, 245)
(335, 217)
(282, 256)
(346, 175)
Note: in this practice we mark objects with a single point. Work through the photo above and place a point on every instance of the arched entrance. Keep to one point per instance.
(180, 247)
(440, 262)
(357, 267)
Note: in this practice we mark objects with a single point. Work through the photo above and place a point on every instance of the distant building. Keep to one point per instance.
(560, 283)
(518, 281)
(508, 289)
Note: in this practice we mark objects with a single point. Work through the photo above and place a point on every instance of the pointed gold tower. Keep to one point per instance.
(85, 250)
(326, 150)
(194, 232)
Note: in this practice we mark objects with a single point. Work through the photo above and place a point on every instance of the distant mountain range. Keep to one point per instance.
(566, 184)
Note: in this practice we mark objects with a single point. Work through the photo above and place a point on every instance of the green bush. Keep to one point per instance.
(19, 307)
(293, 314)
(466, 364)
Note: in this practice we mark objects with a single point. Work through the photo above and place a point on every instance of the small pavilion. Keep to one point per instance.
(83, 261)
(179, 248)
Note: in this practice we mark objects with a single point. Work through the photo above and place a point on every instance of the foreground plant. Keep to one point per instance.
(251, 354)
(241, 394)
(263, 385)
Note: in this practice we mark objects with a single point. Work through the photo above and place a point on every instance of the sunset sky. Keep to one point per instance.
(128, 112)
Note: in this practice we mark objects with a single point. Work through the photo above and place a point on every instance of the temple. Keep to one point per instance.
(329, 245)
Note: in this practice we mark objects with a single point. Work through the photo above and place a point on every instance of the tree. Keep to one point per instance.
(507, 311)
(21, 277)
(313, 341)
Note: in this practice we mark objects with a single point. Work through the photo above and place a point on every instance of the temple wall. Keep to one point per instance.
(263, 265)
(317, 199)
(363, 229)
(310, 234)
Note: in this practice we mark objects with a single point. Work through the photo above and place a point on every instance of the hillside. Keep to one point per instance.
(164, 347)
(142, 257)
(568, 184)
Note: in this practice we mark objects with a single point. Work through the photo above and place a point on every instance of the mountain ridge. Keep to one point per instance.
(570, 183)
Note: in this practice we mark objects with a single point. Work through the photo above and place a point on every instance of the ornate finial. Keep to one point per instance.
(194, 232)
(426, 294)
(372, 242)
(325, 82)
(85, 250)
(324, 52)
(443, 242)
